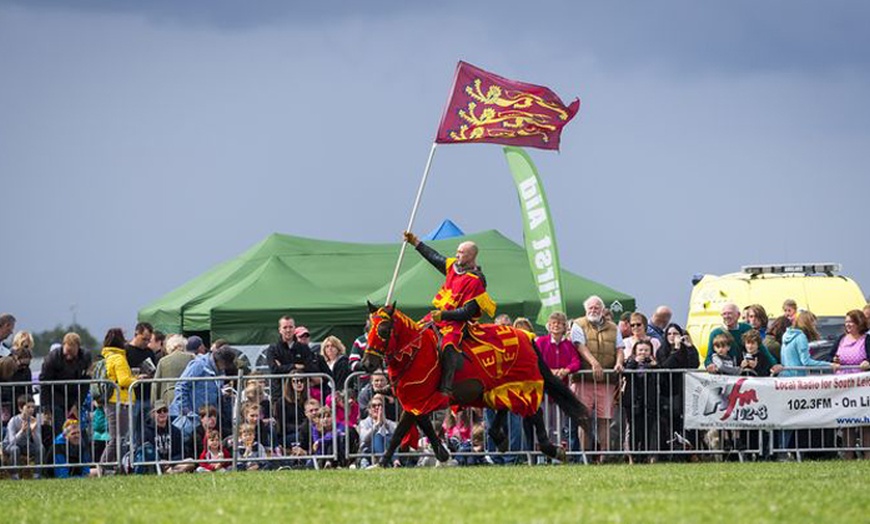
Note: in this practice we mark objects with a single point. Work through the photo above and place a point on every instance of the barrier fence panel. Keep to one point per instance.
(238, 422)
(637, 415)
(58, 429)
(805, 411)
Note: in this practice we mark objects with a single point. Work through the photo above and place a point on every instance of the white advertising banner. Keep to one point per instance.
(815, 401)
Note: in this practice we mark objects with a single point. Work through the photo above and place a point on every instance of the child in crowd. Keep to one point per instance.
(477, 444)
(24, 436)
(309, 432)
(215, 450)
(208, 421)
(754, 363)
(264, 431)
(457, 430)
(70, 451)
(249, 450)
(326, 440)
(722, 360)
(725, 365)
(255, 393)
(640, 398)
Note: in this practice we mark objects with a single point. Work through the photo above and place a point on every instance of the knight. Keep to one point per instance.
(461, 299)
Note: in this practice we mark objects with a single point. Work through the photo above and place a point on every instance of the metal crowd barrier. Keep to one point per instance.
(819, 443)
(70, 429)
(634, 415)
(268, 404)
(639, 414)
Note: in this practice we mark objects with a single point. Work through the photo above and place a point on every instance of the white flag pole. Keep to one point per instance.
(411, 222)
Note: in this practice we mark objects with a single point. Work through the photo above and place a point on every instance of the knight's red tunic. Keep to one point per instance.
(460, 287)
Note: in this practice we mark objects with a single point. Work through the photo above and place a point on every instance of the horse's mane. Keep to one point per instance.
(408, 322)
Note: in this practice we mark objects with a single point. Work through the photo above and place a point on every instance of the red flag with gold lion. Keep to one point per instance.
(485, 107)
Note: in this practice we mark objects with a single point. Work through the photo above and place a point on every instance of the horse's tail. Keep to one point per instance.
(561, 395)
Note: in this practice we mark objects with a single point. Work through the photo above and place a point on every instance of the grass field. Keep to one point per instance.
(728, 492)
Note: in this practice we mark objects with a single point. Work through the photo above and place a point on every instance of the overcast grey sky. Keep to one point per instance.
(142, 143)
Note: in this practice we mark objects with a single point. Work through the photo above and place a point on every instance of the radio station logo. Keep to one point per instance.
(735, 403)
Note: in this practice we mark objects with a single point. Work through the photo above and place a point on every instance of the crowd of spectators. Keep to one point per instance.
(312, 407)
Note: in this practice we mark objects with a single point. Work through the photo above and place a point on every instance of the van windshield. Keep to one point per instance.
(829, 328)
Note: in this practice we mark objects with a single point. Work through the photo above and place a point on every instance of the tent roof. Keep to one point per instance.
(325, 285)
(446, 229)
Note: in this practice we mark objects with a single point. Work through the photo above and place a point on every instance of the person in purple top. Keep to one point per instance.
(851, 350)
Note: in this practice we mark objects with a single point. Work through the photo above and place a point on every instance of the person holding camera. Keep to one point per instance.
(754, 363)
(678, 353)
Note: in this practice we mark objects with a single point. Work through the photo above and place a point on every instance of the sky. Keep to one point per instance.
(142, 143)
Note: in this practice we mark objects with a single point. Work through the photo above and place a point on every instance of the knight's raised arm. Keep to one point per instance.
(433, 257)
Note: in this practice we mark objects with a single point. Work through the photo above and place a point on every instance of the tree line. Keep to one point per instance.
(43, 340)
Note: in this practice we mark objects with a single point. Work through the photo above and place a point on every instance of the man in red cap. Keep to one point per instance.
(461, 299)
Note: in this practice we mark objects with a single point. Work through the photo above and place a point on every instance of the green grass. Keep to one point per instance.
(710, 492)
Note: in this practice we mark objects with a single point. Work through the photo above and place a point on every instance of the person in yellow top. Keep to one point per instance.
(117, 371)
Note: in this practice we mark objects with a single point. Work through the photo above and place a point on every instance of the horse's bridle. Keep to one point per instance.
(385, 336)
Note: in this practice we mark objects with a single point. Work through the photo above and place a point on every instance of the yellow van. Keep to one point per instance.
(816, 287)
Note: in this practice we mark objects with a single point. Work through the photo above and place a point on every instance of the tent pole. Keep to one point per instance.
(411, 222)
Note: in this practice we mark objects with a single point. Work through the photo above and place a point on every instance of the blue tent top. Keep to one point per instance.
(447, 229)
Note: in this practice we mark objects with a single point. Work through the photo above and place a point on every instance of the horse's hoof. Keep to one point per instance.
(374, 466)
(446, 463)
(552, 451)
(561, 455)
(500, 440)
(442, 454)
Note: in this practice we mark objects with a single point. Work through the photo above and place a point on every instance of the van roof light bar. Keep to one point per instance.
(827, 268)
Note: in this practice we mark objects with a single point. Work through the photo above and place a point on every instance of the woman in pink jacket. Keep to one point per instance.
(562, 358)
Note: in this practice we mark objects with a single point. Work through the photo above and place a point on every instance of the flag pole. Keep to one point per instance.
(411, 222)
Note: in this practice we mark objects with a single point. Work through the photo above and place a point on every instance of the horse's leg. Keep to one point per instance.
(424, 422)
(406, 421)
(496, 431)
(564, 398)
(547, 447)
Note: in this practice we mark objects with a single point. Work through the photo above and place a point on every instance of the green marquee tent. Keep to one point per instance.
(324, 285)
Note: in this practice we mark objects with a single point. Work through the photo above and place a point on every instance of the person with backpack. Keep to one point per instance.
(117, 371)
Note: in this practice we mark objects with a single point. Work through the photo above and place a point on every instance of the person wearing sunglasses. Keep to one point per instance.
(639, 332)
(376, 430)
(162, 442)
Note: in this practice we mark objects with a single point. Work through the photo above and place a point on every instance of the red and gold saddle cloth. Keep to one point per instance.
(505, 361)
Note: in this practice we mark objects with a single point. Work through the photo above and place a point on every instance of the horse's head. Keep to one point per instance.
(379, 335)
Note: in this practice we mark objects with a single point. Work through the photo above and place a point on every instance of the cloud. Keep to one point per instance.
(679, 35)
(140, 149)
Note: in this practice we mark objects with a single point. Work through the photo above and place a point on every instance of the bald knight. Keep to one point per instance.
(461, 299)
